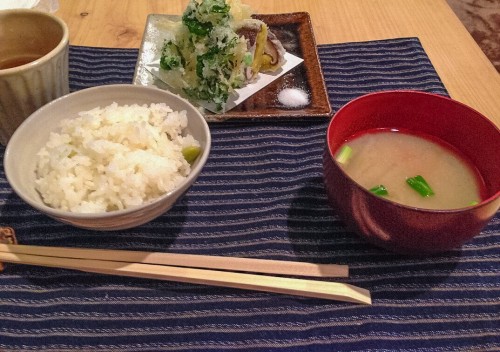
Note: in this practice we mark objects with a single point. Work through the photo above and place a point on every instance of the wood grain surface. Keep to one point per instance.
(465, 70)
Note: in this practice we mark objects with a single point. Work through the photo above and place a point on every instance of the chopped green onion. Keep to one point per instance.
(475, 202)
(419, 184)
(344, 155)
(379, 190)
(191, 153)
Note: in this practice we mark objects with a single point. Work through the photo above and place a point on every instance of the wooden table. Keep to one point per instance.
(465, 70)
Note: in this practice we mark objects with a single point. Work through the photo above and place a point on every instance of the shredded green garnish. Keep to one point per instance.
(419, 184)
(344, 155)
(475, 202)
(379, 190)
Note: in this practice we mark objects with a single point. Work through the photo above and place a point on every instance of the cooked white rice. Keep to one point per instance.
(113, 158)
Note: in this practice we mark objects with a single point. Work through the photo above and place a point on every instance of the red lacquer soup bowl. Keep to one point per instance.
(406, 229)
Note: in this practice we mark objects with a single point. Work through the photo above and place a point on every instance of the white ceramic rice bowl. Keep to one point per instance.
(20, 154)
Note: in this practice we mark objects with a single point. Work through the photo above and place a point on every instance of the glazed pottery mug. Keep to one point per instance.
(34, 49)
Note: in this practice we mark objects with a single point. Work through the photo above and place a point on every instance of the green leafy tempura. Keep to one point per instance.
(206, 58)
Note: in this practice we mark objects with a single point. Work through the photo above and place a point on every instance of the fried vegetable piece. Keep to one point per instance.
(206, 57)
(267, 51)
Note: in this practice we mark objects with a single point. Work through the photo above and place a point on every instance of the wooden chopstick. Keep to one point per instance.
(276, 267)
(298, 287)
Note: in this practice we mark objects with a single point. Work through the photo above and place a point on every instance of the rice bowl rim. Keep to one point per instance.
(128, 90)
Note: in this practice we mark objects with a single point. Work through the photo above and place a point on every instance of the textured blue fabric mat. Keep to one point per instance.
(260, 195)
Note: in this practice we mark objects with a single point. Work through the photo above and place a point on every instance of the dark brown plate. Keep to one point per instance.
(295, 32)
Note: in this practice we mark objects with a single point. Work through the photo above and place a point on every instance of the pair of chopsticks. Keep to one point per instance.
(196, 269)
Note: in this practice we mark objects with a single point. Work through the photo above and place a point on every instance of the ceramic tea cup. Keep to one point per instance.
(33, 65)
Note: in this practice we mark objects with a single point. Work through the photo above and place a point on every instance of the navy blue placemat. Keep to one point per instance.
(260, 195)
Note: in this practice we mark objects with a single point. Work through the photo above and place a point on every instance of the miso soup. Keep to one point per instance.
(388, 158)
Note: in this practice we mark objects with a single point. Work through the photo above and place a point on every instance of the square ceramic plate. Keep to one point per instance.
(294, 30)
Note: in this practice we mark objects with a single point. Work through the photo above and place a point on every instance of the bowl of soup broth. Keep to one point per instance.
(412, 172)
